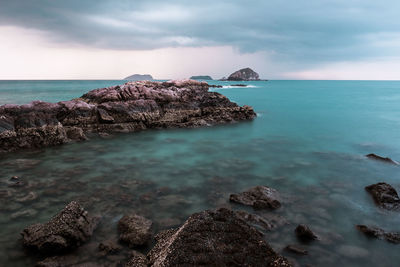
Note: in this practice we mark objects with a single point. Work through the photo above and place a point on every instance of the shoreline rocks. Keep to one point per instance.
(384, 195)
(135, 230)
(133, 106)
(379, 158)
(259, 197)
(379, 233)
(304, 233)
(67, 230)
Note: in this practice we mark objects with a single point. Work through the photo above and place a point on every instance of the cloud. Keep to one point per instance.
(310, 32)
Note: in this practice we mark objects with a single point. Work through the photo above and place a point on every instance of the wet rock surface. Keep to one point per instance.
(137, 259)
(217, 238)
(259, 197)
(130, 107)
(383, 159)
(375, 232)
(135, 230)
(296, 249)
(384, 195)
(67, 230)
(304, 233)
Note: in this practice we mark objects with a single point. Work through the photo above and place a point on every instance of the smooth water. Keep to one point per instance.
(308, 142)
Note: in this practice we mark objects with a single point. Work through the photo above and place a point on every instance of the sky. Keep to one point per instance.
(280, 39)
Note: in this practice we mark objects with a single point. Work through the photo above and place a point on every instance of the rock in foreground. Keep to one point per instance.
(67, 230)
(130, 107)
(134, 230)
(259, 197)
(384, 195)
(246, 74)
(214, 238)
(379, 233)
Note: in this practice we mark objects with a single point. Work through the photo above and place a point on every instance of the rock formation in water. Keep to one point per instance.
(214, 238)
(379, 233)
(140, 77)
(67, 230)
(259, 197)
(379, 158)
(246, 74)
(384, 195)
(201, 77)
(134, 230)
(304, 233)
(131, 107)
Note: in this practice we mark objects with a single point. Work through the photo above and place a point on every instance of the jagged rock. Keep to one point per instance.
(384, 195)
(296, 249)
(130, 107)
(379, 158)
(137, 260)
(259, 197)
(214, 238)
(135, 230)
(246, 74)
(304, 233)
(67, 230)
(379, 233)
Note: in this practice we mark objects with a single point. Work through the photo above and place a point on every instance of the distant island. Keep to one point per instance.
(140, 77)
(201, 77)
(245, 74)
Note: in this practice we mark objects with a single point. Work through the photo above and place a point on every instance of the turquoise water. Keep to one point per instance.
(308, 142)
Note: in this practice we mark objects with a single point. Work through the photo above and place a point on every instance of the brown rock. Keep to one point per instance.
(135, 230)
(260, 197)
(304, 233)
(384, 195)
(379, 233)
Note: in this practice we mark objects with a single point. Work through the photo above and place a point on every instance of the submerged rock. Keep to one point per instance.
(304, 233)
(259, 197)
(67, 230)
(135, 230)
(214, 238)
(384, 195)
(387, 160)
(296, 249)
(246, 74)
(379, 233)
(130, 107)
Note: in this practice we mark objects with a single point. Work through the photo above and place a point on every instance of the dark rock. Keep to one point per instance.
(387, 160)
(137, 260)
(259, 197)
(67, 230)
(131, 107)
(215, 86)
(255, 220)
(379, 233)
(239, 85)
(296, 249)
(384, 195)
(109, 247)
(246, 74)
(304, 233)
(14, 179)
(135, 230)
(214, 238)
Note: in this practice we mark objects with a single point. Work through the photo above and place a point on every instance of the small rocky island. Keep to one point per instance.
(130, 107)
(246, 74)
(140, 77)
(202, 77)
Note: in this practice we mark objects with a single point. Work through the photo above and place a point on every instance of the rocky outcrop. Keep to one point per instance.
(384, 195)
(379, 158)
(379, 233)
(137, 260)
(246, 74)
(201, 77)
(140, 77)
(134, 230)
(214, 238)
(304, 233)
(259, 197)
(67, 230)
(130, 107)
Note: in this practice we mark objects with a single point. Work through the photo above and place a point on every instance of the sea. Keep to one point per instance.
(309, 142)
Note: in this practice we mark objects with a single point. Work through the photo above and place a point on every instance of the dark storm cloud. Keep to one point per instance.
(308, 31)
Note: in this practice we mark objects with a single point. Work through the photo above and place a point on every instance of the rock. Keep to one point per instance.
(14, 179)
(255, 220)
(201, 77)
(109, 247)
(135, 230)
(246, 74)
(215, 86)
(379, 233)
(214, 238)
(296, 249)
(259, 197)
(130, 107)
(379, 158)
(239, 85)
(137, 260)
(384, 195)
(304, 233)
(140, 77)
(67, 230)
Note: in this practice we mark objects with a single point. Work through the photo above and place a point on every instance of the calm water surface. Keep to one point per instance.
(308, 142)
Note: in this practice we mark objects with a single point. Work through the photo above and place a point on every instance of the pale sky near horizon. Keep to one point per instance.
(104, 39)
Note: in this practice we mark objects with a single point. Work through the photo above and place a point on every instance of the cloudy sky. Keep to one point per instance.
(280, 39)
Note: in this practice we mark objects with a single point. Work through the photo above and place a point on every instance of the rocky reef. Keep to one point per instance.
(246, 74)
(130, 107)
